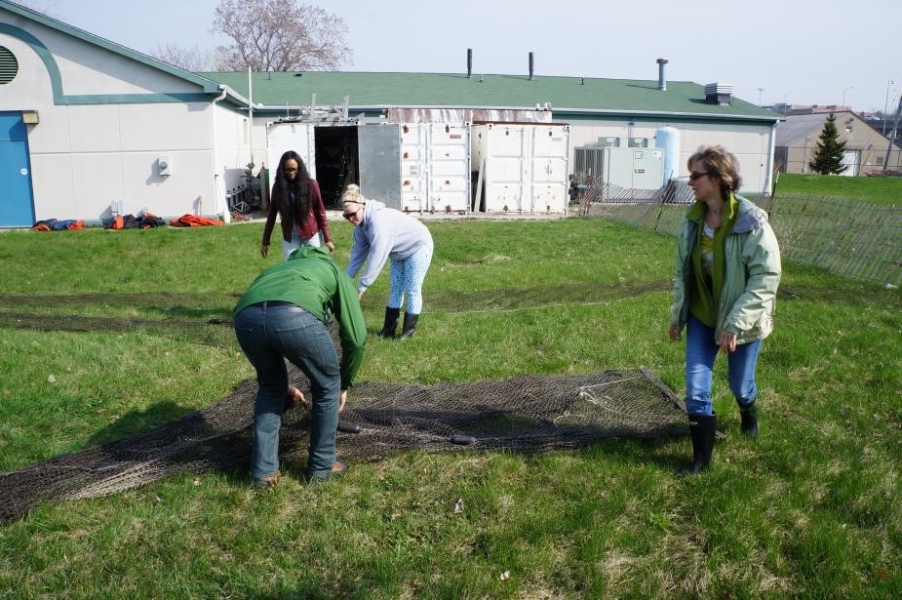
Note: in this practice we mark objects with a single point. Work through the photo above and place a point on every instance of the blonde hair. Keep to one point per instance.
(352, 194)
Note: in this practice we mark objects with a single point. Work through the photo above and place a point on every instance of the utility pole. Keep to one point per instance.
(892, 135)
(886, 103)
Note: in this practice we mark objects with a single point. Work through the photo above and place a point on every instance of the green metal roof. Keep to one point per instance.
(451, 90)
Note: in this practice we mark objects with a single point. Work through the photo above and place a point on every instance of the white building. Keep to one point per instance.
(90, 127)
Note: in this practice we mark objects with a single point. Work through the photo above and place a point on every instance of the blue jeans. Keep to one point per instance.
(296, 242)
(269, 333)
(701, 350)
(406, 277)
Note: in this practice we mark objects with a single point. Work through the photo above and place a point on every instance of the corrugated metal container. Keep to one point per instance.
(521, 167)
(435, 167)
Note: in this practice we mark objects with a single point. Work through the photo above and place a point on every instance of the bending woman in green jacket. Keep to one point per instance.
(727, 273)
(284, 315)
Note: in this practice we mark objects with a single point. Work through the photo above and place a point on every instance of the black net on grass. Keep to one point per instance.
(526, 414)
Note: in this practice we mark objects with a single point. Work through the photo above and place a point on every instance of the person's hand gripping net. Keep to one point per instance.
(296, 397)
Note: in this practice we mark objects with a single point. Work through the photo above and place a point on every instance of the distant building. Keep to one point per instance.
(808, 109)
(866, 147)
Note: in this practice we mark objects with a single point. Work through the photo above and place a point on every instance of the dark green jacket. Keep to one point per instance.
(312, 280)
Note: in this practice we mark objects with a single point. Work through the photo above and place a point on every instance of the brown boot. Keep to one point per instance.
(268, 483)
(338, 469)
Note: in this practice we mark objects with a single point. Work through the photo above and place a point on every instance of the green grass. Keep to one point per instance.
(810, 509)
(876, 190)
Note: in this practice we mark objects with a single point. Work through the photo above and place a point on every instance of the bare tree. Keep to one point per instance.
(279, 35)
(190, 59)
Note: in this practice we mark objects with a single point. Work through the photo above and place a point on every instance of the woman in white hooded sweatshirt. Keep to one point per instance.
(384, 234)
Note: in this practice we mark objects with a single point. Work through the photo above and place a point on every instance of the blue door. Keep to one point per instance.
(16, 206)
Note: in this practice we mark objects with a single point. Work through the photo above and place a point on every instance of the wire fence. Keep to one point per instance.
(857, 240)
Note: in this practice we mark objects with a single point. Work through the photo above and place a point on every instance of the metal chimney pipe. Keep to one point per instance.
(662, 81)
(469, 63)
(530, 66)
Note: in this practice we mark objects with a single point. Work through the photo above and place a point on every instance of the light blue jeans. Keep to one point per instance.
(406, 277)
(701, 350)
(296, 242)
(269, 333)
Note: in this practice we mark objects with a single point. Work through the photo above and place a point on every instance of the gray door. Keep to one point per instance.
(379, 151)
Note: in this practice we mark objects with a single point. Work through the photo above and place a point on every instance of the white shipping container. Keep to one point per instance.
(419, 167)
(282, 137)
(435, 167)
(522, 167)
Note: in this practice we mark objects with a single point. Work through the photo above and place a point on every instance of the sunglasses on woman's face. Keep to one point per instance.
(351, 215)
(696, 175)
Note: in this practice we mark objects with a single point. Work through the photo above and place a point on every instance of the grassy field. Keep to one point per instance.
(809, 509)
(877, 190)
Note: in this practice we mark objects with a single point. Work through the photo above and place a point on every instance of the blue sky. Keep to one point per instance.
(800, 51)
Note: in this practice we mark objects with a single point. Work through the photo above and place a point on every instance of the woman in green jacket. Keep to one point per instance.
(284, 315)
(727, 273)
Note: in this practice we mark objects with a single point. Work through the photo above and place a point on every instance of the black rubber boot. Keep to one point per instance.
(749, 420)
(391, 322)
(702, 429)
(410, 325)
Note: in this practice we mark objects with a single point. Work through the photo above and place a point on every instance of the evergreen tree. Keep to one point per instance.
(829, 153)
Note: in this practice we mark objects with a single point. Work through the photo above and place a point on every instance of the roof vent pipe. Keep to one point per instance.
(662, 81)
(530, 66)
(469, 63)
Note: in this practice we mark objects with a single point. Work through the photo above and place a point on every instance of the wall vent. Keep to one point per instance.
(9, 66)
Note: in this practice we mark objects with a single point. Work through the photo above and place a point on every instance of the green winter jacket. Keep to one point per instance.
(312, 280)
(749, 278)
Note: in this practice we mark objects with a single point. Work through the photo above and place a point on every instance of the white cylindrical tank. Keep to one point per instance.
(668, 138)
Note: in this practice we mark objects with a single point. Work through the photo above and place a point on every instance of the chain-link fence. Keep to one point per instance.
(854, 239)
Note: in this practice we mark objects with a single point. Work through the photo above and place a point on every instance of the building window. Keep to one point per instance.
(9, 66)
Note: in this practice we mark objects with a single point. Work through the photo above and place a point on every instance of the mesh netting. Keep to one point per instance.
(521, 414)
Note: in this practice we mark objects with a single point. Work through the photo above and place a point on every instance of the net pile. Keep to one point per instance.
(521, 414)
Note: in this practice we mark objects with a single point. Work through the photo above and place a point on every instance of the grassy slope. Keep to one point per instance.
(877, 190)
